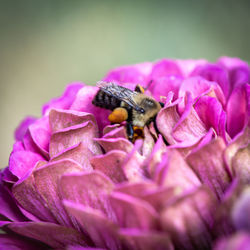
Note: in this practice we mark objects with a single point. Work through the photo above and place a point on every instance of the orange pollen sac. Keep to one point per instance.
(118, 115)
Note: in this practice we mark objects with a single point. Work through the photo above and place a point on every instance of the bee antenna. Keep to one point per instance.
(149, 83)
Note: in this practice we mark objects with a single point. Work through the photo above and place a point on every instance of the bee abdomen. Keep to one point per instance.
(106, 101)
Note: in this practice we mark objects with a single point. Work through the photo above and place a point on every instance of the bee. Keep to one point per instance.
(134, 107)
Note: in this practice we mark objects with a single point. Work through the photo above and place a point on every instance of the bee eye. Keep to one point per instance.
(142, 110)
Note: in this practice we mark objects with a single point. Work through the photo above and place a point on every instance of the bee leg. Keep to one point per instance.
(118, 115)
(130, 131)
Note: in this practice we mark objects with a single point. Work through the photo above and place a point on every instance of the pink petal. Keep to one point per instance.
(133, 164)
(238, 107)
(111, 165)
(60, 119)
(83, 103)
(148, 142)
(65, 101)
(23, 127)
(214, 73)
(21, 162)
(132, 212)
(47, 180)
(88, 189)
(212, 114)
(189, 219)
(163, 85)
(187, 66)
(168, 175)
(102, 231)
(9, 208)
(109, 144)
(54, 235)
(16, 242)
(109, 128)
(208, 164)
(237, 156)
(71, 136)
(137, 73)
(79, 153)
(40, 133)
(30, 199)
(165, 67)
(119, 132)
(149, 240)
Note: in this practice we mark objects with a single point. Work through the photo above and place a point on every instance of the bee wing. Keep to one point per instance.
(121, 93)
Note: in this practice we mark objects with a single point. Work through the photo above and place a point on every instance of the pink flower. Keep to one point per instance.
(75, 181)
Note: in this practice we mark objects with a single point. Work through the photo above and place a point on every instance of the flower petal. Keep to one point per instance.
(119, 132)
(23, 127)
(60, 119)
(16, 242)
(111, 165)
(47, 181)
(109, 144)
(189, 219)
(132, 212)
(241, 210)
(65, 101)
(79, 153)
(88, 189)
(149, 240)
(21, 162)
(83, 103)
(237, 156)
(212, 114)
(168, 175)
(31, 200)
(208, 164)
(238, 108)
(137, 73)
(54, 235)
(71, 136)
(102, 231)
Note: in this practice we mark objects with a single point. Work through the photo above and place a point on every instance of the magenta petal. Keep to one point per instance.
(214, 73)
(21, 162)
(60, 119)
(79, 153)
(149, 240)
(237, 156)
(102, 231)
(132, 212)
(168, 175)
(208, 164)
(189, 219)
(23, 127)
(212, 114)
(241, 211)
(238, 241)
(109, 144)
(111, 165)
(238, 108)
(119, 132)
(47, 181)
(31, 200)
(71, 136)
(88, 189)
(40, 133)
(162, 86)
(16, 242)
(137, 73)
(133, 164)
(8, 207)
(65, 101)
(165, 67)
(83, 103)
(54, 235)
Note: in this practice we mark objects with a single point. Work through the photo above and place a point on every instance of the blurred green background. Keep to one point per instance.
(47, 44)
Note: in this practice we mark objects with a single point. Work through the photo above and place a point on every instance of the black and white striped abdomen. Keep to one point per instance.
(106, 101)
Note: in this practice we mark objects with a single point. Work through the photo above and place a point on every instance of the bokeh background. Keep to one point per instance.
(45, 44)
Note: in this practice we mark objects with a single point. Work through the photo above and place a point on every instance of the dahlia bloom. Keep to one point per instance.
(74, 181)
